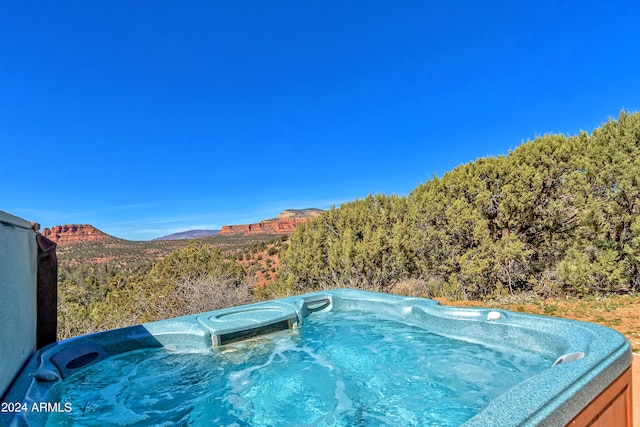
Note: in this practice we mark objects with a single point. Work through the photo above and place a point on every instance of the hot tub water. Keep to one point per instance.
(339, 368)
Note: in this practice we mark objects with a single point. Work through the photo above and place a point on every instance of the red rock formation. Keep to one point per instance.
(286, 223)
(275, 226)
(75, 233)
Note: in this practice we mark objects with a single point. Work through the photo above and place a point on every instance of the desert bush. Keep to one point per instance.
(363, 244)
(206, 292)
(412, 288)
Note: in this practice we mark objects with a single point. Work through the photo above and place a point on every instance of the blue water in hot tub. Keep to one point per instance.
(337, 369)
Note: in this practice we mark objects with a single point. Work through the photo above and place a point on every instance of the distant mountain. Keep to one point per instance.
(285, 223)
(191, 234)
(76, 233)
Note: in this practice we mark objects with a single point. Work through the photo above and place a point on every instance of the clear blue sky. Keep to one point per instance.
(145, 118)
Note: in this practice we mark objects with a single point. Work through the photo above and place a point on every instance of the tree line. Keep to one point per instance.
(558, 215)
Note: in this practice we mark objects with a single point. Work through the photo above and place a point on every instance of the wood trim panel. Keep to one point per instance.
(611, 408)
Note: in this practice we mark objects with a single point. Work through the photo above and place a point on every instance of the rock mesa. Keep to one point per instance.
(285, 223)
(74, 233)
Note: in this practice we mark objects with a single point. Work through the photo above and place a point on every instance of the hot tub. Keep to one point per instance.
(342, 357)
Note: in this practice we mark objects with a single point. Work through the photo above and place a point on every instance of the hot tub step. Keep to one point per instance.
(241, 323)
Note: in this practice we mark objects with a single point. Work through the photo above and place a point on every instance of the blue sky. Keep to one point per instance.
(145, 118)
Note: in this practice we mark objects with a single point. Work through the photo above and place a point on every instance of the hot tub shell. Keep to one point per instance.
(594, 386)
